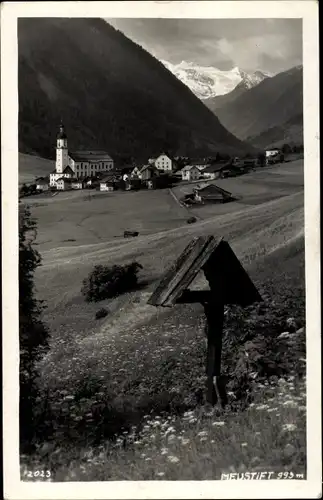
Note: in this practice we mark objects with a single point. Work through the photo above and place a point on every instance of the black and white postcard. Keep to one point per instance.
(161, 249)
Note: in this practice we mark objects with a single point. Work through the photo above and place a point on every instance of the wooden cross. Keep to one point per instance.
(229, 284)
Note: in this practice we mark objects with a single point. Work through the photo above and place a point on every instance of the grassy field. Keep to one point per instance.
(31, 167)
(102, 377)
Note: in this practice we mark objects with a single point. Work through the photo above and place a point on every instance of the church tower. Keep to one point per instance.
(61, 150)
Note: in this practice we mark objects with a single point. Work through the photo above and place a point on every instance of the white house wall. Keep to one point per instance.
(163, 163)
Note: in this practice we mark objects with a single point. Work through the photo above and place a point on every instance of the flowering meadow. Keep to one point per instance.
(129, 403)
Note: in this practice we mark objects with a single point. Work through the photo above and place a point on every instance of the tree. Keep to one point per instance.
(33, 335)
(262, 159)
(286, 149)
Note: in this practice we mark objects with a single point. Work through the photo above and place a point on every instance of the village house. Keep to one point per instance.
(76, 183)
(148, 172)
(42, 184)
(214, 171)
(106, 185)
(109, 182)
(212, 193)
(272, 152)
(200, 163)
(63, 183)
(190, 173)
(164, 162)
(77, 164)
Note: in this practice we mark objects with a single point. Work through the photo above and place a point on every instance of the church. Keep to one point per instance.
(77, 165)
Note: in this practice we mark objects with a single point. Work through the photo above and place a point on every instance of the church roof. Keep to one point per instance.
(68, 170)
(90, 156)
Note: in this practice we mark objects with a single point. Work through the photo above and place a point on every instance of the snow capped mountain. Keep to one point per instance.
(207, 81)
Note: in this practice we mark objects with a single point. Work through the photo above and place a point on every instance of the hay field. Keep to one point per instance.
(96, 225)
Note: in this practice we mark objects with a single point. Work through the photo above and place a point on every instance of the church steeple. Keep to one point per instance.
(61, 149)
(61, 134)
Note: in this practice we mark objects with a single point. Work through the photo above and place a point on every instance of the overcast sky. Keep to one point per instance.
(271, 45)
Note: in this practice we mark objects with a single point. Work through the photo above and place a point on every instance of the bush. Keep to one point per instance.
(106, 282)
(101, 313)
(33, 335)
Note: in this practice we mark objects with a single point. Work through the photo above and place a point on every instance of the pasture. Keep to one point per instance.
(104, 376)
(33, 166)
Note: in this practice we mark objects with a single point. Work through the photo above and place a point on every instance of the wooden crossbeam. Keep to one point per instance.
(181, 274)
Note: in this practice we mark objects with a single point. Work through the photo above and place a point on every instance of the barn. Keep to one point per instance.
(212, 194)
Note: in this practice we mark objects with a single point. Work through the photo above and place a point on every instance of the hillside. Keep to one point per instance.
(110, 93)
(32, 166)
(267, 114)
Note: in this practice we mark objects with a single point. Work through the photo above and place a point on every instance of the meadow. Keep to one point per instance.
(33, 166)
(107, 382)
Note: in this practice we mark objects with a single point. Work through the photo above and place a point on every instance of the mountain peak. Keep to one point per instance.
(207, 81)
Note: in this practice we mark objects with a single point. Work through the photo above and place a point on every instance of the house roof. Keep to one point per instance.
(65, 179)
(213, 189)
(42, 180)
(188, 167)
(216, 167)
(108, 178)
(146, 167)
(90, 156)
(199, 161)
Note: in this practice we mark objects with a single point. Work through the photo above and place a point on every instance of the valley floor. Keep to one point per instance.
(104, 376)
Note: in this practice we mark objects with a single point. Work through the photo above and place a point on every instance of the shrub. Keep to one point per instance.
(106, 282)
(33, 335)
(101, 313)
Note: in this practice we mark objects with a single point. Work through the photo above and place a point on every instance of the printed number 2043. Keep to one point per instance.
(37, 473)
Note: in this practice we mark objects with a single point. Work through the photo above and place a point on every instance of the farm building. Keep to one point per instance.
(42, 184)
(190, 173)
(214, 171)
(212, 194)
(145, 172)
(148, 172)
(79, 163)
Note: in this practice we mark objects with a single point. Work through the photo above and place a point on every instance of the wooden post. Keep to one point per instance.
(214, 312)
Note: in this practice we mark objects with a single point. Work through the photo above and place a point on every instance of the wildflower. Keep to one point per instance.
(143, 455)
(262, 407)
(289, 427)
(218, 424)
(290, 403)
(160, 474)
(203, 439)
(172, 459)
(192, 421)
(148, 459)
(202, 434)
(164, 451)
(271, 410)
(244, 445)
(170, 429)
